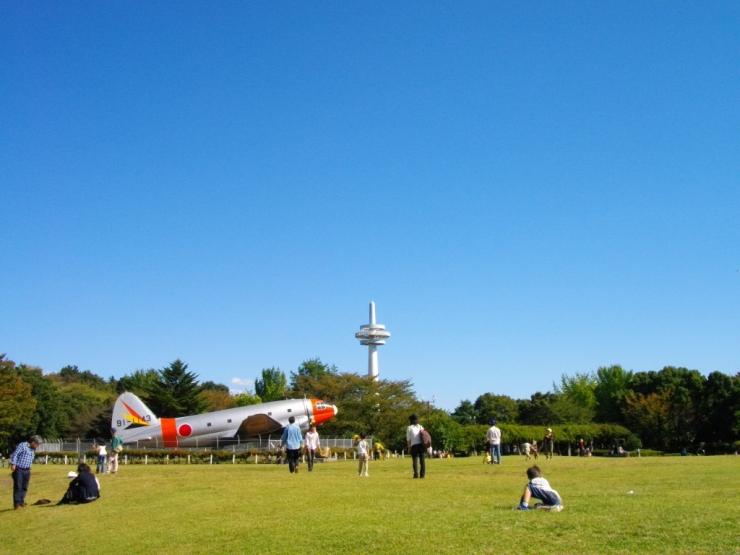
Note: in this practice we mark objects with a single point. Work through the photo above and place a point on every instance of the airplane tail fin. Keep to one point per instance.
(130, 412)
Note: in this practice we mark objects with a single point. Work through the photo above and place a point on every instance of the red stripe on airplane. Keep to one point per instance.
(169, 432)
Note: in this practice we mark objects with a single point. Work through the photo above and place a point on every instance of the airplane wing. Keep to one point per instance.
(258, 424)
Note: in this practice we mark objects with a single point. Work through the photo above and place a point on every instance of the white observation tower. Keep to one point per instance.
(373, 335)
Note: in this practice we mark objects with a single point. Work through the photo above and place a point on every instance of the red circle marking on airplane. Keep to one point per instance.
(185, 430)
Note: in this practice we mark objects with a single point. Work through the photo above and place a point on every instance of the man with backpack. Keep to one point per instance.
(416, 437)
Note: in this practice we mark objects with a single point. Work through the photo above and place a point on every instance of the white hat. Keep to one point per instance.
(71, 474)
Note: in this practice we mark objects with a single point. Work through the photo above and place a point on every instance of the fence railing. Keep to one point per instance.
(270, 443)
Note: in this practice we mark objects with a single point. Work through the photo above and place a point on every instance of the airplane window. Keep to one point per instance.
(290, 410)
(209, 424)
(229, 421)
(269, 414)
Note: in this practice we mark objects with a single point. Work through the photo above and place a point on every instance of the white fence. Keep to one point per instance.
(271, 443)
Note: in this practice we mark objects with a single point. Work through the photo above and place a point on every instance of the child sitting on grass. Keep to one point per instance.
(539, 488)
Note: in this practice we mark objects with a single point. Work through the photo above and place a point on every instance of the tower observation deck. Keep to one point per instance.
(373, 335)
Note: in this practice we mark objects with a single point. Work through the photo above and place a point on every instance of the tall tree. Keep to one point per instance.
(720, 409)
(575, 401)
(17, 404)
(501, 407)
(612, 384)
(139, 382)
(378, 408)
(675, 395)
(175, 392)
(272, 384)
(312, 367)
(538, 409)
(465, 413)
(51, 417)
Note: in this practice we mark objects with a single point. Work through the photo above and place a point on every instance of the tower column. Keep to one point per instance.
(372, 361)
(372, 335)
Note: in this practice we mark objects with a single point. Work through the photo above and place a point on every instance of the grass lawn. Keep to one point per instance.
(679, 505)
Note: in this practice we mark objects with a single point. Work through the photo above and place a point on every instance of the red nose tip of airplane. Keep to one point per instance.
(323, 411)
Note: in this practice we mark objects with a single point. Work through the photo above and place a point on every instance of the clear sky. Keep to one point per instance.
(525, 190)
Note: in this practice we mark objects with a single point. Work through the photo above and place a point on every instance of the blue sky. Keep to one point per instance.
(525, 190)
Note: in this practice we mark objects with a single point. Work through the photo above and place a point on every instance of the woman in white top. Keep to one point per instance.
(311, 442)
(362, 454)
(416, 446)
(102, 455)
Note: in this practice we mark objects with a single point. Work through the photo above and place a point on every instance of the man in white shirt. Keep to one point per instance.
(312, 443)
(493, 437)
(416, 446)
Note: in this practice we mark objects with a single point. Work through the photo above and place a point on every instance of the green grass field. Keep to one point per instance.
(679, 505)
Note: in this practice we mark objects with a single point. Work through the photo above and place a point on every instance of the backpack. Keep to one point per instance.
(426, 439)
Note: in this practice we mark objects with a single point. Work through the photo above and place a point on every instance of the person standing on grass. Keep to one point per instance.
(363, 454)
(20, 469)
(312, 444)
(493, 436)
(102, 456)
(548, 443)
(291, 440)
(416, 446)
(116, 446)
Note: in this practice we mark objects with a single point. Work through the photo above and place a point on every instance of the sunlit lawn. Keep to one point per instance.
(679, 504)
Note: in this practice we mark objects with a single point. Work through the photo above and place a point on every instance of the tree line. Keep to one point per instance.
(669, 409)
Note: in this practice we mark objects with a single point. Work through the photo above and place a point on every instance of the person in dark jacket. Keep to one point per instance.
(84, 488)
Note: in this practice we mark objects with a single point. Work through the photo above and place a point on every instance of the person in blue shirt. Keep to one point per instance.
(20, 467)
(292, 441)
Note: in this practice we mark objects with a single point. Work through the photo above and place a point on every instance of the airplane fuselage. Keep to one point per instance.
(210, 428)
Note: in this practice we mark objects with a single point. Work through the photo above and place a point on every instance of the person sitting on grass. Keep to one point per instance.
(539, 488)
(84, 488)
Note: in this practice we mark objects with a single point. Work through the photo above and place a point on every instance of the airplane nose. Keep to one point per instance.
(322, 411)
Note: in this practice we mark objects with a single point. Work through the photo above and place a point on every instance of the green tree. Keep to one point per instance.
(447, 433)
(720, 409)
(575, 399)
(139, 382)
(246, 398)
(88, 410)
(17, 405)
(612, 384)
(648, 415)
(175, 392)
(312, 367)
(272, 386)
(465, 413)
(72, 374)
(538, 409)
(213, 386)
(378, 408)
(680, 391)
(51, 417)
(501, 407)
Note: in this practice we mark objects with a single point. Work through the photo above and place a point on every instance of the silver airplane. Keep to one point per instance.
(134, 422)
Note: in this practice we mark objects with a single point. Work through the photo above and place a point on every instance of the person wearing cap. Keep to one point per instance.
(20, 468)
(548, 443)
(493, 437)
